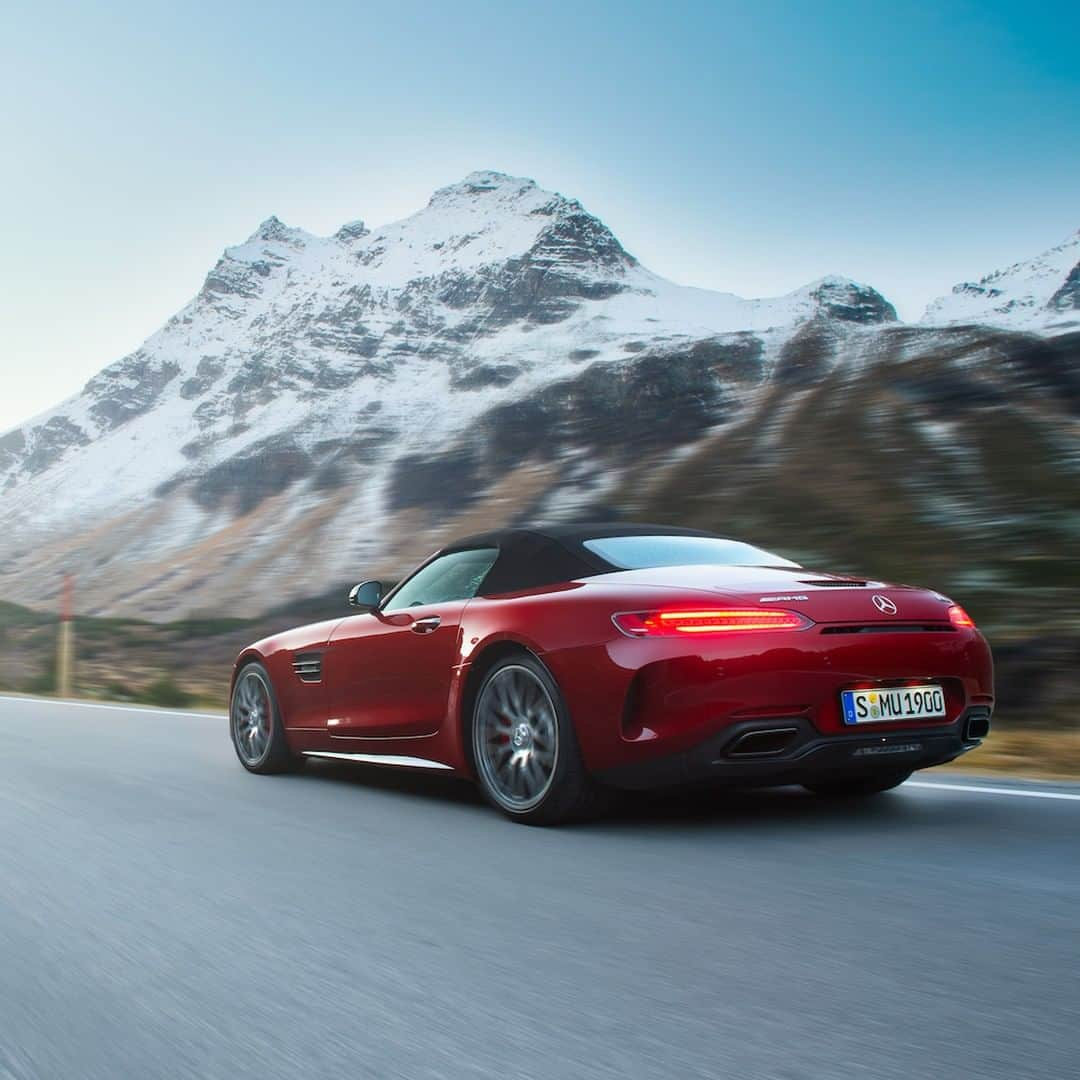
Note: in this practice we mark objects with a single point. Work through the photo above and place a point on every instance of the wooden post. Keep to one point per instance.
(65, 650)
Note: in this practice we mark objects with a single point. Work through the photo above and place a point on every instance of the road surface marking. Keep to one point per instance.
(111, 708)
(984, 789)
(979, 789)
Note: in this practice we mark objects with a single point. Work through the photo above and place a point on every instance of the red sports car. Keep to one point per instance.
(550, 663)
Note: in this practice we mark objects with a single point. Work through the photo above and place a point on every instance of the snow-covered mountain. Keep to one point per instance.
(1041, 294)
(327, 407)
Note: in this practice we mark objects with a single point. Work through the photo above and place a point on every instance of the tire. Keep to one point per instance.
(524, 748)
(255, 726)
(854, 787)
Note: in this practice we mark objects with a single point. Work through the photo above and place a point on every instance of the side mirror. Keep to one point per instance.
(366, 595)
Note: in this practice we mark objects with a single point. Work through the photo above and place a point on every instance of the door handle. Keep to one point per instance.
(425, 626)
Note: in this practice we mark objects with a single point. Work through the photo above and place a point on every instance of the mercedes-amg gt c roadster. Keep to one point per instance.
(549, 664)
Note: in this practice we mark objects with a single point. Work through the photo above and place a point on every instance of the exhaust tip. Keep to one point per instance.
(762, 743)
(978, 726)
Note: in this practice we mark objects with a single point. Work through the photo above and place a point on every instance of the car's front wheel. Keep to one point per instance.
(858, 786)
(524, 746)
(258, 734)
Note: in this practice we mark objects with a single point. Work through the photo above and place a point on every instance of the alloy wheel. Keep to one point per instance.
(516, 738)
(252, 717)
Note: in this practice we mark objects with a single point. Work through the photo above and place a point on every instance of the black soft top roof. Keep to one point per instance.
(532, 557)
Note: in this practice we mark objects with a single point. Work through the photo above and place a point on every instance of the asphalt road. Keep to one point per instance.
(164, 914)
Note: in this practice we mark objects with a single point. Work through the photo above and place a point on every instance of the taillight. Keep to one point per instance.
(719, 621)
(960, 618)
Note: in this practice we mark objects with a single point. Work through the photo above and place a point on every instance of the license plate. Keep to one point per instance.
(894, 703)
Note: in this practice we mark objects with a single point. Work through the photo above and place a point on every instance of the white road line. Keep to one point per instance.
(29, 700)
(983, 789)
(978, 789)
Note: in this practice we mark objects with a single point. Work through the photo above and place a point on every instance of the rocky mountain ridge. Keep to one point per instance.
(329, 406)
(1040, 294)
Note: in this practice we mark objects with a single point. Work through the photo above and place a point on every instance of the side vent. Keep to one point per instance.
(308, 667)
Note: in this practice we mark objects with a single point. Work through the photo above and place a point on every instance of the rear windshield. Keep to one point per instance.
(640, 552)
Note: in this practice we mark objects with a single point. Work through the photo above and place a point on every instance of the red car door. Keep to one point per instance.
(387, 672)
(388, 676)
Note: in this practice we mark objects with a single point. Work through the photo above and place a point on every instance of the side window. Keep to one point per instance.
(456, 576)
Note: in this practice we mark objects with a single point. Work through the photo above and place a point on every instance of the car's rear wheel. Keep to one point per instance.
(258, 735)
(858, 786)
(524, 746)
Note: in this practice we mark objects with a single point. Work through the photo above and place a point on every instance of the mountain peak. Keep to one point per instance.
(848, 300)
(273, 228)
(485, 182)
(352, 230)
(488, 219)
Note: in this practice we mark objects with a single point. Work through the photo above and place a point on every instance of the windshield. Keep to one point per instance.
(640, 552)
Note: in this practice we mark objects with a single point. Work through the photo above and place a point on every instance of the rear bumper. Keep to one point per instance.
(804, 754)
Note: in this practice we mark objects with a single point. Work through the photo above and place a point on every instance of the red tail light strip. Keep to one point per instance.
(719, 621)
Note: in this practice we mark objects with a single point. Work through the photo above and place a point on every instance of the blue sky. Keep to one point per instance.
(747, 147)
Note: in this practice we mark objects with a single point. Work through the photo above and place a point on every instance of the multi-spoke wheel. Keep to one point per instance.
(524, 748)
(255, 723)
(517, 737)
